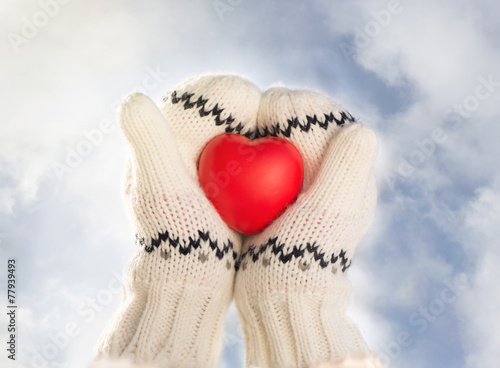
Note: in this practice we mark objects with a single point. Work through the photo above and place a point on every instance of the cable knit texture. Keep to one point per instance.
(365, 362)
(291, 287)
(122, 363)
(291, 290)
(180, 281)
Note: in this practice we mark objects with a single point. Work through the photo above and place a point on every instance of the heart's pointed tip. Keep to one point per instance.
(250, 233)
(248, 230)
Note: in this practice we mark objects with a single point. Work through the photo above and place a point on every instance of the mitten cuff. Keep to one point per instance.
(169, 323)
(286, 328)
(367, 361)
(122, 363)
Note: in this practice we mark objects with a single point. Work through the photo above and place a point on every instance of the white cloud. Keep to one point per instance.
(480, 304)
(66, 80)
(441, 49)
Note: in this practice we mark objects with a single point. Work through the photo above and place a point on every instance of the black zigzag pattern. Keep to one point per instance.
(186, 246)
(274, 130)
(215, 111)
(278, 250)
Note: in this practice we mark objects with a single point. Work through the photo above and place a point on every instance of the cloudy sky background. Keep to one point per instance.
(426, 79)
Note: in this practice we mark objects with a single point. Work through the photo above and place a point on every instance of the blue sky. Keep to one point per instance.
(424, 75)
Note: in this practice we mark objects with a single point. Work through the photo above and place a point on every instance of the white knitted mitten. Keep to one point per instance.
(291, 290)
(180, 281)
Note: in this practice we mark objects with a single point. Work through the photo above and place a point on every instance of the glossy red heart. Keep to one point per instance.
(250, 182)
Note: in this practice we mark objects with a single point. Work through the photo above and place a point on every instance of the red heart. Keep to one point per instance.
(250, 182)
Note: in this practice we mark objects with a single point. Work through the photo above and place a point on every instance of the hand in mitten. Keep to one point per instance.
(291, 289)
(180, 281)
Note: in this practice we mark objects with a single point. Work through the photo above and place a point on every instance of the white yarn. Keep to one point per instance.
(175, 301)
(237, 97)
(292, 300)
(121, 363)
(281, 105)
(370, 361)
(293, 312)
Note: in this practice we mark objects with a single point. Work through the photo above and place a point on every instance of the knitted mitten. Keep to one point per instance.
(291, 289)
(180, 281)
